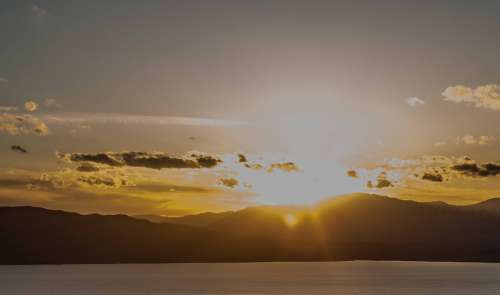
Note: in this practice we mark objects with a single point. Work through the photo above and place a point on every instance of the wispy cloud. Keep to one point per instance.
(3, 80)
(113, 118)
(8, 109)
(51, 103)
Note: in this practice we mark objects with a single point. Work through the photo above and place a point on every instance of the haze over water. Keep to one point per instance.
(356, 277)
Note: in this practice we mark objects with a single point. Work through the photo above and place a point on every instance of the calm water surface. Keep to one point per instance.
(346, 278)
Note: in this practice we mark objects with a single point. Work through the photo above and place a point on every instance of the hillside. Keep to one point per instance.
(342, 228)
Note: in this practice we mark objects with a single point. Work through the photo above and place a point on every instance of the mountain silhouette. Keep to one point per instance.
(491, 206)
(357, 226)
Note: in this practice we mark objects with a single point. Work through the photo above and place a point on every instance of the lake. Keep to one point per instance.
(346, 278)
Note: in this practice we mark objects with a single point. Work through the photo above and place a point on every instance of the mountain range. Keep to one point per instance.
(350, 227)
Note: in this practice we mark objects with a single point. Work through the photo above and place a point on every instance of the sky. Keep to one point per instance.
(179, 107)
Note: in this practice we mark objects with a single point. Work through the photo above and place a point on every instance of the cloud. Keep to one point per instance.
(30, 106)
(80, 127)
(395, 171)
(8, 109)
(101, 158)
(242, 158)
(477, 170)
(3, 80)
(286, 167)
(67, 178)
(255, 166)
(102, 178)
(381, 182)
(436, 177)
(485, 96)
(483, 139)
(440, 143)
(414, 101)
(110, 118)
(352, 173)
(206, 161)
(442, 169)
(471, 140)
(18, 148)
(14, 124)
(229, 182)
(160, 187)
(51, 103)
(87, 167)
(403, 173)
(103, 181)
(152, 160)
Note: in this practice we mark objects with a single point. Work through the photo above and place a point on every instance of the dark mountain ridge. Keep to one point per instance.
(342, 228)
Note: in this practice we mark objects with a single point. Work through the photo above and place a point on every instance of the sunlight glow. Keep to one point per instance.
(315, 180)
(291, 220)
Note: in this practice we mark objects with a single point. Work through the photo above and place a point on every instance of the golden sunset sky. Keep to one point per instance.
(179, 107)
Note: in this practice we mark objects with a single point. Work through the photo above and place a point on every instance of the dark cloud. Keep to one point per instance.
(229, 182)
(144, 159)
(352, 173)
(18, 148)
(473, 169)
(101, 158)
(436, 177)
(207, 161)
(242, 158)
(87, 167)
(381, 181)
(156, 161)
